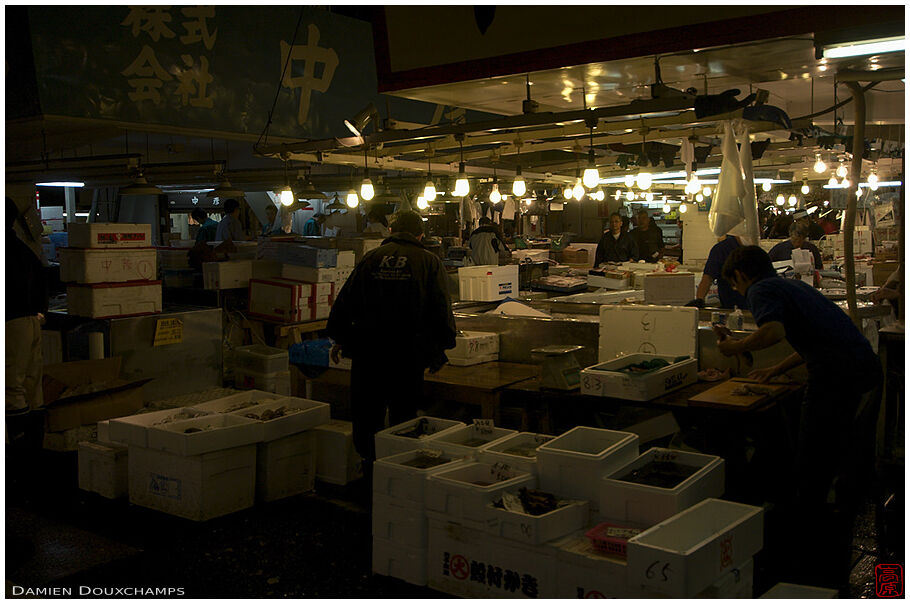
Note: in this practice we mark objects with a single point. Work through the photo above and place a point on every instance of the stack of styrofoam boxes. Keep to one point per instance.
(359, 245)
(290, 301)
(174, 265)
(862, 242)
(286, 455)
(473, 347)
(260, 367)
(487, 282)
(398, 439)
(337, 461)
(196, 468)
(468, 441)
(399, 518)
(345, 266)
(103, 465)
(697, 237)
(573, 464)
(230, 274)
(669, 288)
(111, 270)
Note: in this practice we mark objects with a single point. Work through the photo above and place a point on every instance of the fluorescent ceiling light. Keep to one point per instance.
(890, 183)
(867, 47)
(60, 184)
(662, 175)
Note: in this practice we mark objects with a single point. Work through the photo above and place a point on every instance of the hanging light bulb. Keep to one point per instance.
(429, 191)
(495, 195)
(873, 177)
(630, 195)
(696, 184)
(826, 203)
(819, 166)
(462, 186)
(666, 208)
(841, 171)
(617, 195)
(805, 188)
(766, 186)
(578, 191)
(529, 201)
(873, 186)
(845, 183)
(287, 196)
(519, 187)
(649, 196)
(791, 201)
(629, 180)
(832, 182)
(859, 192)
(699, 198)
(780, 199)
(706, 191)
(643, 180)
(683, 208)
(422, 203)
(591, 176)
(366, 189)
(352, 199)
(567, 192)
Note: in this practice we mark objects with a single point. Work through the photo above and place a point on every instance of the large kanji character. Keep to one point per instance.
(311, 54)
(152, 76)
(494, 576)
(478, 572)
(529, 586)
(193, 77)
(150, 19)
(196, 28)
(511, 580)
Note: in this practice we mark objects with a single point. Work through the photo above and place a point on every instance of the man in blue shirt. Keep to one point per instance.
(207, 226)
(230, 229)
(713, 270)
(798, 240)
(837, 423)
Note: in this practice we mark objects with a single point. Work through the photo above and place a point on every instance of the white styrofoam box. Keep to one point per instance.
(133, 429)
(736, 584)
(488, 282)
(605, 379)
(197, 487)
(109, 300)
(237, 401)
(647, 505)
(534, 255)
(295, 272)
(346, 259)
(288, 252)
(360, 245)
(337, 461)
(472, 346)
(538, 529)
(266, 269)
(632, 334)
(230, 274)
(104, 431)
(466, 562)
(406, 563)
(341, 277)
(321, 311)
(214, 432)
(286, 466)
(108, 234)
(608, 280)
(472, 360)
(695, 547)
(400, 524)
(279, 383)
(389, 441)
(792, 591)
(287, 300)
(395, 477)
(469, 440)
(103, 468)
(464, 492)
(173, 258)
(669, 288)
(106, 265)
(300, 414)
(573, 463)
(518, 451)
(261, 358)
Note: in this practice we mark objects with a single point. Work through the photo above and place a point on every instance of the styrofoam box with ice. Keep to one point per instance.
(518, 451)
(286, 416)
(238, 401)
(204, 434)
(468, 441)
(647, 504)
(535, 530)
(412, 434)
(573, 463)
(464, 492)
(133, 429)
(403, 477)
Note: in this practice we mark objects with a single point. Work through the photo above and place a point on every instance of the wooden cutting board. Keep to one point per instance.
(721, 395)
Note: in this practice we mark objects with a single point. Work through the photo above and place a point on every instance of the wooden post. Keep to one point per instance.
(859, 130)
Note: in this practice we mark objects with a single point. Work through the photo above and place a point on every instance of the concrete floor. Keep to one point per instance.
(308, 546)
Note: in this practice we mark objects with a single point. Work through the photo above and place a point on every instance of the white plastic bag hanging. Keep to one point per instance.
(727, 210)
(749, 230)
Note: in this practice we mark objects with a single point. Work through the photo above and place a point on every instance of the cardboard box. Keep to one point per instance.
(307, 274)
(86, 392)
(107, 265)
(669, 288)
(290, 301)
(109, 234)
(232, 274)
(295, 253)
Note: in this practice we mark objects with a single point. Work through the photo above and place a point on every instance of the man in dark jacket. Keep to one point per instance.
(798, 241)
(393, 318)
(616, 245)
(836, 442)
(648, 237)
(26, 305)
(486, 243)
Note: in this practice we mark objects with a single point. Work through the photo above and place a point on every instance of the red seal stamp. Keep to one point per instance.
(889, 580)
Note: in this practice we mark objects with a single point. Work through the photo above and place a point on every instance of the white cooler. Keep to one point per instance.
(486, 283)
(633, 334)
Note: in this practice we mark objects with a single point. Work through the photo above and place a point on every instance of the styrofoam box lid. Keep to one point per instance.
(516, 440)
(665, 330)
(399, 461)
(469, 475)
(471, 432)
(235, 402)
(587, 442)
(300, 415)
(216, 432)
(132, 429)
(259, 350)
(435, 424)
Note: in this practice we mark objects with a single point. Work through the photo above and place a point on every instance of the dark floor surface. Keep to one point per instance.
(308, 546)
